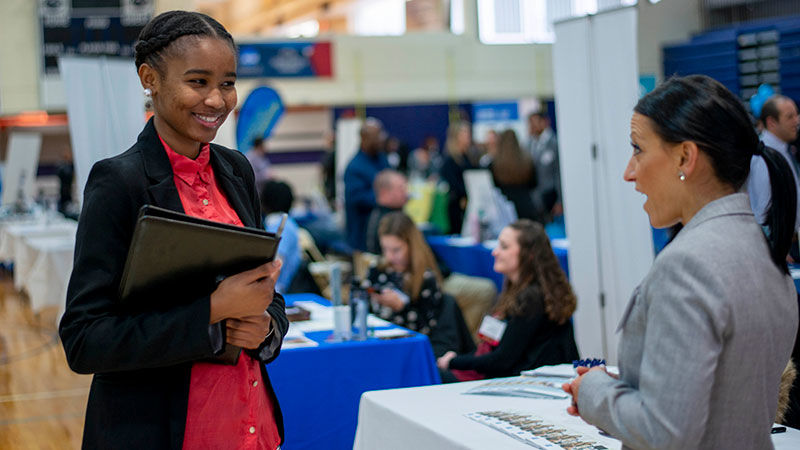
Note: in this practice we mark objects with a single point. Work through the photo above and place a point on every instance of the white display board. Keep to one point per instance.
(22, 162)
(487, 201)
(611, 249)
(226, 134)
(105, 105)
(348, 140)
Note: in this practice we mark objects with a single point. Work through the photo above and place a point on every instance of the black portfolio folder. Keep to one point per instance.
(174, 252)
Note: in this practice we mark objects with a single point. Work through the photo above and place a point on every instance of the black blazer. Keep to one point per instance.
(142, 360)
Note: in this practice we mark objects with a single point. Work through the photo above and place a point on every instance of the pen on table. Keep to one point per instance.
(776, 430)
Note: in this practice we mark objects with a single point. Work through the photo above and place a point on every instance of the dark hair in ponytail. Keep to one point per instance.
(158, 35)
(699, 109)
(780, 218)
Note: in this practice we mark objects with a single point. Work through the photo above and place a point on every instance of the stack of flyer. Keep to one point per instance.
(531, 429)
(530, 387)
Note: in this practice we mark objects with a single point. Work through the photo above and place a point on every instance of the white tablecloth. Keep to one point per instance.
(12, 231)
(14, 245)
(41, 251)
(432, 417)
(46, 282)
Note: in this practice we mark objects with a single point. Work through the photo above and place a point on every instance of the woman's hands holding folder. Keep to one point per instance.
(248, 332)
(246, 294)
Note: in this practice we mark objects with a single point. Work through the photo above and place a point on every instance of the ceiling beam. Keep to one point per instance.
(275, 12)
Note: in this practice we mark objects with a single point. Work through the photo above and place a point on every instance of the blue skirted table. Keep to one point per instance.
(319, 387)
(463, 255)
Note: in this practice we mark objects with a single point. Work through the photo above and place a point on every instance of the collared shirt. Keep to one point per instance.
(228, 405)
(758, 185)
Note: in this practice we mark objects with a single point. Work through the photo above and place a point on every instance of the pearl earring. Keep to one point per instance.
(682, 176)
(148, 92)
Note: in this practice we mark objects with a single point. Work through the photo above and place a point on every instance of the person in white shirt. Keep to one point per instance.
(780, 120)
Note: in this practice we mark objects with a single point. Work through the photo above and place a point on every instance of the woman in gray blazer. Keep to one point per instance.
(709, 330)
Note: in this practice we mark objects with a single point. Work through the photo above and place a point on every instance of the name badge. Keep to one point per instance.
(492, 330)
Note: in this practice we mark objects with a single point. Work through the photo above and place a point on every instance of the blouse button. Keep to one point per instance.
(205, 202)
(255, 383)
(252, 430)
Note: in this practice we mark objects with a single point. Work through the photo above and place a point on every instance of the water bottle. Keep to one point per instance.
(359, 304)
(483, 226)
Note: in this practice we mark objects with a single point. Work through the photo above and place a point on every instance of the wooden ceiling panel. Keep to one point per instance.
(252, 17)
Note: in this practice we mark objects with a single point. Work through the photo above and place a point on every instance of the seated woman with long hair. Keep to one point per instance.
(530, 326)
(407, 287)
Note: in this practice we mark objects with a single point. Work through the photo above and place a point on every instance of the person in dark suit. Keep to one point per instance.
(458, 145)
(391, 194)
(151, 387)
(359, 198)
(529, 327)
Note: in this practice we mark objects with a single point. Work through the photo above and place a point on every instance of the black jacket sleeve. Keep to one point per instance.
(511, 349)
(98, 335)
(277, 309)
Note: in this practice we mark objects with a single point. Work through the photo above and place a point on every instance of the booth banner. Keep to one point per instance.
(258, 116)
(285, 60)
(91, 28)
(495, 111)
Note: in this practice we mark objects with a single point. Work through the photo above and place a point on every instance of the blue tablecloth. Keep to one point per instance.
(477, 260)
(794, 270)
(319, 388)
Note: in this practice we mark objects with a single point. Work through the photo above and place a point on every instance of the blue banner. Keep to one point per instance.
(285, 60)
(258, 116)
(495, 111)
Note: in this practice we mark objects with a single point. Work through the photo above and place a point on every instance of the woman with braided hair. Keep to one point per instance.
(152, 386)
(530, 326)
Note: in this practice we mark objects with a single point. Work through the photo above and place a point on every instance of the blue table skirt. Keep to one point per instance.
(477, 260)
(794, 269)
(319, 388)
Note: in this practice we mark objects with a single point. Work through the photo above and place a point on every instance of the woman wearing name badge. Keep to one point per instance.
(151, 387)
(407, 287)
(708, 332)
(530, 326)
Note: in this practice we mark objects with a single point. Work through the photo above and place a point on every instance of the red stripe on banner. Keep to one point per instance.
(321, 63)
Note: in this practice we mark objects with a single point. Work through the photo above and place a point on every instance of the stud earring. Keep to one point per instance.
(682, 176)
(148, 92)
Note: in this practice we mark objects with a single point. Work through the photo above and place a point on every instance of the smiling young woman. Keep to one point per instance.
(152, 388)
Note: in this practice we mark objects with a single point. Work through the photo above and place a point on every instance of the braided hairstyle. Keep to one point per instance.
(160, 34)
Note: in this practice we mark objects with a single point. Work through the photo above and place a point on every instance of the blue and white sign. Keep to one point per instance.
(495, 111)
(259, 114)
(284, 59)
